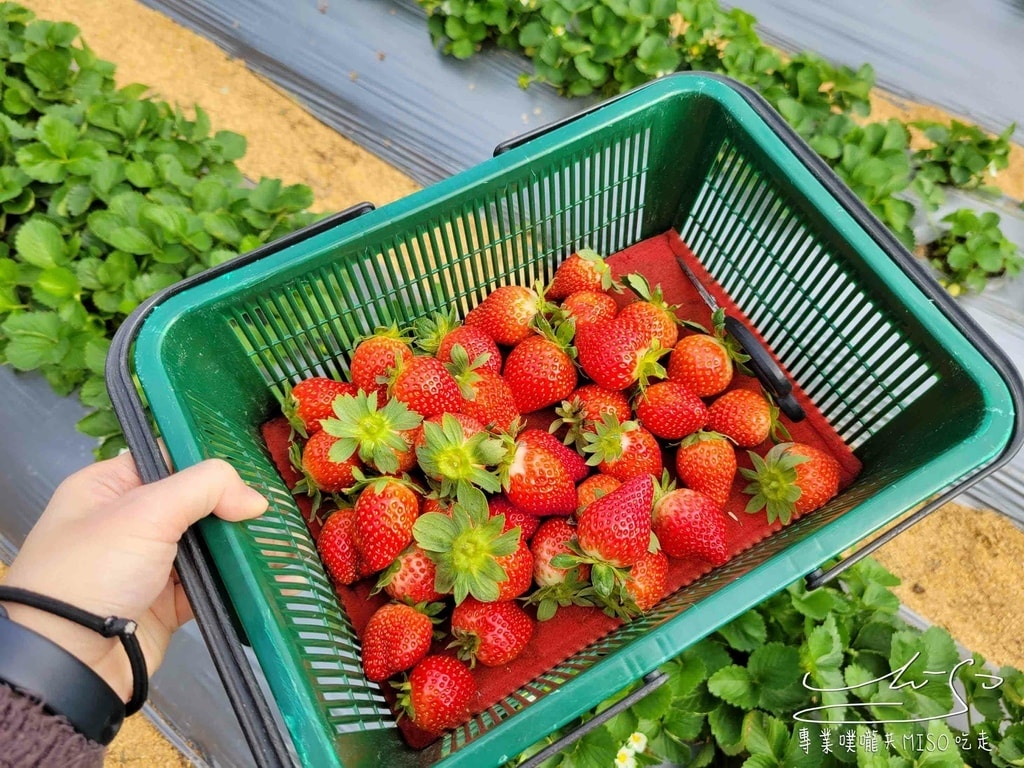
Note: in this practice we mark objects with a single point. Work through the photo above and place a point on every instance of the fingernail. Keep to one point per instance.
(256, 500)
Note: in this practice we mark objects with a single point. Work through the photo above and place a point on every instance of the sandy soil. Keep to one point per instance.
(969, 579)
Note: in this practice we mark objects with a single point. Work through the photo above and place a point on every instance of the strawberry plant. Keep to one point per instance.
(107, 196)
(972, 250)
(829, 655)
(584, 47)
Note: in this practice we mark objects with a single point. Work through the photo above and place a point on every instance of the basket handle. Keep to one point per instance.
(652, 681)
(201, 583)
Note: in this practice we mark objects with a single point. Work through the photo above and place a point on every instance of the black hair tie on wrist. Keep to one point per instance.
(110, 626)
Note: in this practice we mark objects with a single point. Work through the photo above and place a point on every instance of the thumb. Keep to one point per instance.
(165, 509)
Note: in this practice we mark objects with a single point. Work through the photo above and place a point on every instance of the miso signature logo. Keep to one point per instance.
(896, 683)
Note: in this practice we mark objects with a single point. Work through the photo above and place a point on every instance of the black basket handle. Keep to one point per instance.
(652, 681)
(201, 583)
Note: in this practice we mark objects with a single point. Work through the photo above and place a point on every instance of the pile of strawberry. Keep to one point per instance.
(487, 472)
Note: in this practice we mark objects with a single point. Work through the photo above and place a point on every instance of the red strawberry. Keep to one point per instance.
(375, 357)
(582, 271)
(706, 462)
(337, 547)
(584, 407)
(616, 355)
(514, 517)
(670, 410)
(518, 568)
(540, 373)
(410, 579)
(426, 387)
(624, 450)
(322, 473)
(396, 637)
(593, 488)
(378, 435)
(792, 478)
(505, 315)
(550, 540)
(702, 363)
(652, 316)
(647, 580)
(486, 395)
(311, 400)
(492, 633)
(385, 513)
(745, 416)
(572, 461)
(687, 522)
(589, 307)
(536, 480)
(438, 694)
(616, 529)
(438, 335)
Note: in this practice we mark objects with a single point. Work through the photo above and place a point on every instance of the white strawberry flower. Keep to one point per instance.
(625, 759)
(637, 742)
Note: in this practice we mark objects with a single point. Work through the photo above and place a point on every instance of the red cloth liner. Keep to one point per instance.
(575, 628)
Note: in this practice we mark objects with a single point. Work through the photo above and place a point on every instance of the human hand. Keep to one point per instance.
(106, 543)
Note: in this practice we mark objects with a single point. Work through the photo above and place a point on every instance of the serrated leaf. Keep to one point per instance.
(59, 135)
(78, 200)
(93, 393)
(39, 243)
(35, 339)
(655, 705)
(141, 173)
(223, 227)
(733, 685)
(59, 282)
(726, 722)
(40, 163)
(114, 230)
(230, 145)
(746, 632)
(100, 423)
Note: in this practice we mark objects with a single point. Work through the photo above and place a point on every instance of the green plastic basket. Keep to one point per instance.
(925, 400)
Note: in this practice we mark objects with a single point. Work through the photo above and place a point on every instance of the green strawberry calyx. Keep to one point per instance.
(648, 365)
(455, 462)
(465, 547)
(572, 414)
(773, 484)
(608, 583)
(572, 591)
(559, 331)
(375, 433)
(642, 288)
(464, 370)
(606, 441)
(430, 331)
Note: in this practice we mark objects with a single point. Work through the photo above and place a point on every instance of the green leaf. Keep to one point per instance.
(39, 242)
(726, 723)
(264, 196)
(101, 423)
(141, 173)
(35, 339)
(223, 227)
(59, 282)
(734, 685)
(48, 69)
(41, 164)
(230, 145)
(172, 222)
(106, 173)
(209, 195)
(58, 134)
(78, 200)
(112, 229)
(93, 393)
(746, 632)
(96, 355)
(655, 705)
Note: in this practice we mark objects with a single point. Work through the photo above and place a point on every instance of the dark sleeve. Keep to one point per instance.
(30, 736)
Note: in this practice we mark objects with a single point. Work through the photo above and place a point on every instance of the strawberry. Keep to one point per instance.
(426, 387)
(377, 435)
(584, 407)
(748, 418)
(651, 316)
(486, 395)
(670, 410)
(438, 694)
(647, 580)
(506, 314)
(375, 357)
(396, 637)
(466, 548)
(311, 400)
(702, 363)
(616, 529)
(457, 452)
(514, 517)
(536, 480)
(706, 462)
(540, 372)
(687, 522)
(616, 355)
(492, 633)
(518, 567)
(582, 271)
(440, 334)
(337, 547)
(588, 307)
(551, 539)
(623, 450)
(321, 472)
(792, 478)
(410, 578)
(572, 461)
(593, 488)
(385, 513)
